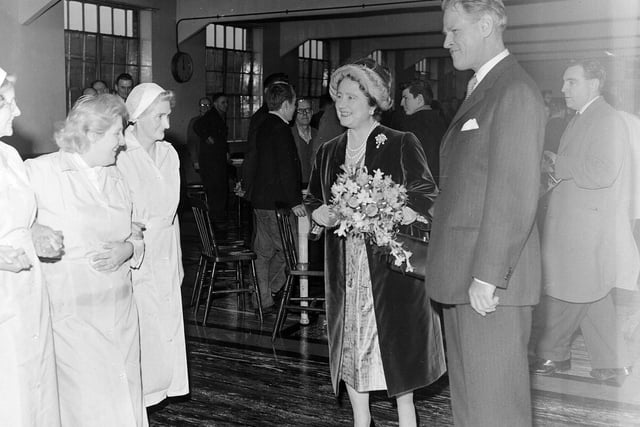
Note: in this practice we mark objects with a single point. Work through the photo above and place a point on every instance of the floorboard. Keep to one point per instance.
(239, 377)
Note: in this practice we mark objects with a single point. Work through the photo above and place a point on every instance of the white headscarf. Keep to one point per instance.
(140, 98)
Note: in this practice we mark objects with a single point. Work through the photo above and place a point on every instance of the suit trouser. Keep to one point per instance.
(597, 321)
(270, 256)
(488, 369)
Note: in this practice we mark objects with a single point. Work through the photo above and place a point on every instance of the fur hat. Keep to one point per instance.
(374, 78)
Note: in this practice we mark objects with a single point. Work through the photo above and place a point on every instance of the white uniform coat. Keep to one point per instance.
(28, 387)
(95, 320)
(155, 185)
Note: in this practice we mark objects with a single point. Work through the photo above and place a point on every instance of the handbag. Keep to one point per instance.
(414, 238)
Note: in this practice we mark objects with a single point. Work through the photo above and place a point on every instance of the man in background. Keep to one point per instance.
(249, 166)
(100, 86)
(587, 246)
(424, 122)
(213, 155)
(304, 136)
(193, 140)
(277, 184)
(123, 85)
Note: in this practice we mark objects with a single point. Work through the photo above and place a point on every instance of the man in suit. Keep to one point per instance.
(484, 255)
(421, 120)
(278, 183)
(588, 245)
(213, 155)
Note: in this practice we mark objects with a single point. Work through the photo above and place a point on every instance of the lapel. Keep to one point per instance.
(576, 124)
(478, 95)
(339, 154)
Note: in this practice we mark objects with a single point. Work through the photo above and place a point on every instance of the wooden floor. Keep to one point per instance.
(240, 378)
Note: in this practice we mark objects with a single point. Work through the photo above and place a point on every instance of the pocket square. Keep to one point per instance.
(470, 124)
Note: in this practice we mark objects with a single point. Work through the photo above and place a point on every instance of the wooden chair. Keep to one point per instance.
(293, 270)
(212, 255)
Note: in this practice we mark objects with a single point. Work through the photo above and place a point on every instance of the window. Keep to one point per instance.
(101, 41)
(231, 68)
(427, 69)
(313, 71)
(376, 55)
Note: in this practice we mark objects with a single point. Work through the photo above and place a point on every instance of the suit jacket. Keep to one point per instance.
(250, 156)
(588, 245)
(278, 177)
(429, 128)
(484, 218)
(408, 330)
(212, 155)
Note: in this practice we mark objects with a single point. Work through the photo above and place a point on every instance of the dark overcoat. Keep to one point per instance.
(408, 328)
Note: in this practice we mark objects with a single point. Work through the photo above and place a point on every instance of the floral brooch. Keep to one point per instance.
(381, 138)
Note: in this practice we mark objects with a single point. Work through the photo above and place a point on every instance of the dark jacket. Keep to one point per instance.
(408, 330)
(249, 166)
(278, 179)
(429, 128)
(484, 218)
(213, 126)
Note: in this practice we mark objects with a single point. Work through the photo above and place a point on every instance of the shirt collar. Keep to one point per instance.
(584, 108)
(488, 66)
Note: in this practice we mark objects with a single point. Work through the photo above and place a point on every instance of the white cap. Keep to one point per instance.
(140, 98)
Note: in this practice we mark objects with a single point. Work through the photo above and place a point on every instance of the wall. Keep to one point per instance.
(35, 54)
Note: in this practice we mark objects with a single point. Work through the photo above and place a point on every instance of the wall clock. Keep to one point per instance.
(182, 67)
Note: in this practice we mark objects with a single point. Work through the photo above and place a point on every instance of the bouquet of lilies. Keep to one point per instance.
(372, 207)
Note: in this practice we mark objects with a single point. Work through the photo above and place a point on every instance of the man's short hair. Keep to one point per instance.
(593, 69)
(420, 87)
(217, 95)
(277, 93)
(479, 7)
(124, 76)
(93, 83)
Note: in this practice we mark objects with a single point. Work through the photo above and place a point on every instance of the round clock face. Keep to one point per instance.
(182, 67)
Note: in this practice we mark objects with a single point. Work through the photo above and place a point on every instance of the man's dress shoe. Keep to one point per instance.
(549, 367)
(611, 376)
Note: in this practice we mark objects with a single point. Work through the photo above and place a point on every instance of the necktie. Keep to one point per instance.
(471, 86)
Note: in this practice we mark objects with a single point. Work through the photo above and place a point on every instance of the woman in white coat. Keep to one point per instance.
(151, 166)
(28, 387)
(95, 320)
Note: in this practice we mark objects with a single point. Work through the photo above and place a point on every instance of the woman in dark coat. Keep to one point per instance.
(383, 333)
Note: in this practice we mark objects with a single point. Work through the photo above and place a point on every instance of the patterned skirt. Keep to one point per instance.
(361, 362)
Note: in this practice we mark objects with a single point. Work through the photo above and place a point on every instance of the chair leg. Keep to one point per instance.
(241, 295)
(256, 289)
(196, 282)
(205, 265)
(211, 282)
(281, 316)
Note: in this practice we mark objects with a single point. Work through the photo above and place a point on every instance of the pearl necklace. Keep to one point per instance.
(354, 155)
